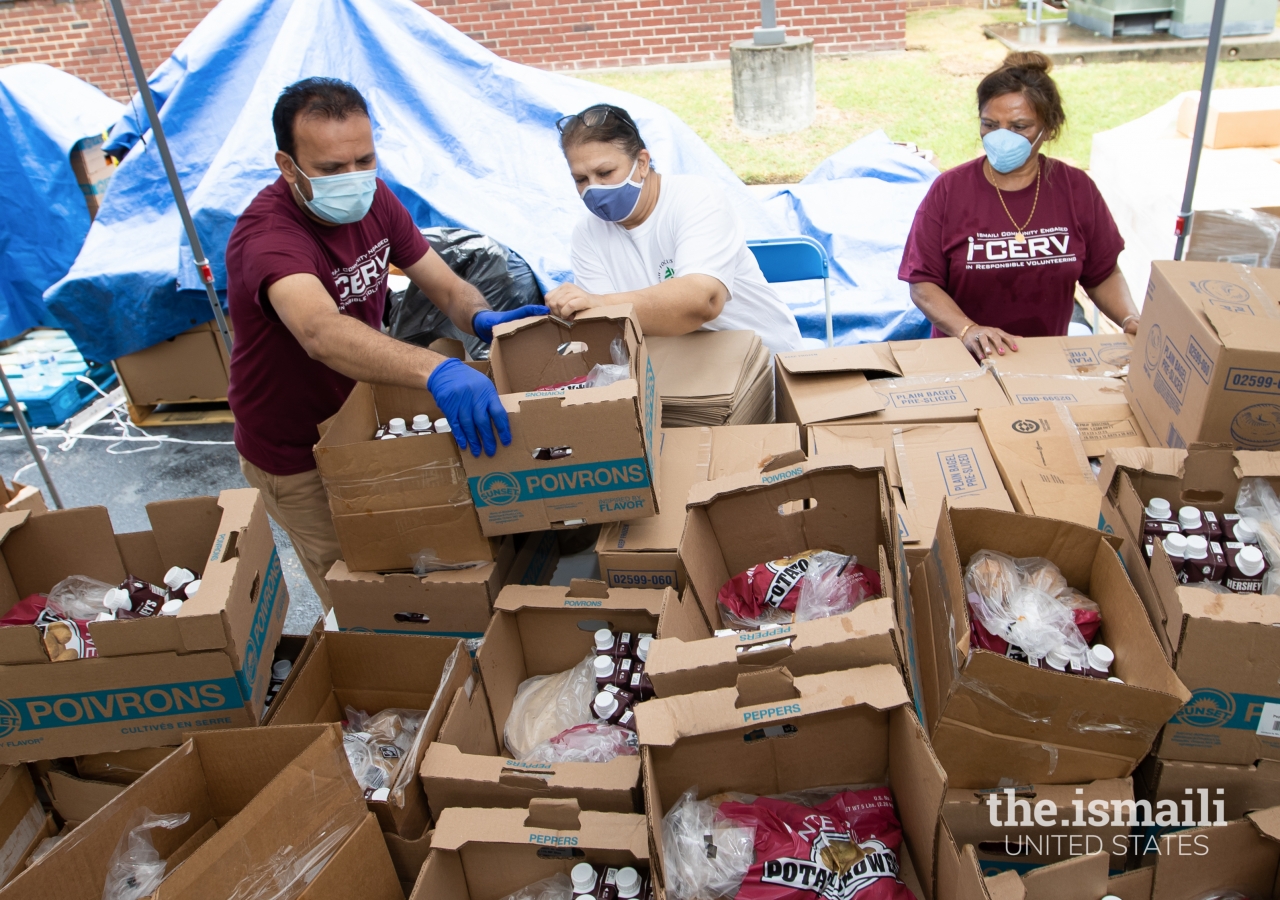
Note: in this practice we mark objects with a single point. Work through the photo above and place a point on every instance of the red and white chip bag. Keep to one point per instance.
(767, 594)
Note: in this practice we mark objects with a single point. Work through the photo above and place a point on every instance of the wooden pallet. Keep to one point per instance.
(186, 412)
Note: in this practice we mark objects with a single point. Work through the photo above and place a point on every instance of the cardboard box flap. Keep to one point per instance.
(459, 826)
(582, 593)
(616, 311)
(1267, 821)
(863, 460)
(1245, 609)
(854, 358)
(12, 520)
(778, 697)
(1260, 463)
(1156, 460)
(1243, 331)
(1006, 886)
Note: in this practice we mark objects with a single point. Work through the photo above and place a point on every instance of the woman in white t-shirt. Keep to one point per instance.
(669, 245)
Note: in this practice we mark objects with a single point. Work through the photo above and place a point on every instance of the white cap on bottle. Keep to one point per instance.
(604, 639)
(1057, 661)
(380, 794)
(177, 576)
(116, 599)
(1197, 547)
(1176, 545)
(104, 616)
(1158, 508)
(1188, 517)
(606, 704)
(1101, 657)
(421, 422)
(280, 669)
(628, 881)
(192, 588)
(583, 876)
(1249, 560)
(1115, 679)
(396, 425)
(442, 426)
(171, 607)
(388, 437)
(642, 648)
(1247, 530)
(604, 666)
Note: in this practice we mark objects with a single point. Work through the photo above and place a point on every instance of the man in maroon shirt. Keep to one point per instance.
(306, 286)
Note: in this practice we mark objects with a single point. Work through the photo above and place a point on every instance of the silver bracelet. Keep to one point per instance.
(1125, 320)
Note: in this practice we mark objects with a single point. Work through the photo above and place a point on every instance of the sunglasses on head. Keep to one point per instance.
(593, 116)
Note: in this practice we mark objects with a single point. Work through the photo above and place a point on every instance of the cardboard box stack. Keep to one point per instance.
(93, 170)
(713, 378)
(1074, 370)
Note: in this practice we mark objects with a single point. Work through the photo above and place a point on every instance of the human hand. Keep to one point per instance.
(1130, 324)
(985, 340)
(469, 401)
(482, 322)
(569, 299)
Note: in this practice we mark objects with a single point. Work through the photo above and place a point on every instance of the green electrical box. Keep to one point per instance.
(1191, 17)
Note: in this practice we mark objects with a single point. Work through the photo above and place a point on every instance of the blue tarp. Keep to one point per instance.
(43, 221)
(464, 138)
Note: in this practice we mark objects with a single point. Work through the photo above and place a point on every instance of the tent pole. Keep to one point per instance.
(1202, 115)
(21, 419)
(162, 145)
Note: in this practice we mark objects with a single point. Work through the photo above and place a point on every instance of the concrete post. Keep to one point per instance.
(773, 86)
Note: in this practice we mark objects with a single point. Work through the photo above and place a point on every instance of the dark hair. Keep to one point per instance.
(1027, 74)
(328, 98)
(604, 123)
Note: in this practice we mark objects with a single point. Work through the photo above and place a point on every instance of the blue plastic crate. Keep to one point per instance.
(51, 406)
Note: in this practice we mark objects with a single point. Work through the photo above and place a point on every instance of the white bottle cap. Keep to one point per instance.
(421, 422)
(177, 576)
(604, 639)
(583, 877)
(1056, 660)
(1159, 508)
(1115, 679)
(280, 669)
(628, 883)
(604, 666)
(171, 607)
(1176, 545)
(1197, 547)
(1249, 560)
(104, 616)
(116, 599)
(396, 426)
(606, 704)
(442, 426)
(1101, 657)
(1188, 517)
(642, 649)
(193, 587)
(380, 794)
(1247, 530)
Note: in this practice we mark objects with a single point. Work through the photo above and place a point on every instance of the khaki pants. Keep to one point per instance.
(299, 506)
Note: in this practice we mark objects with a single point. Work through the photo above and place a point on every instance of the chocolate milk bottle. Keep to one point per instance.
(1205, 561)
(585, 880)
(1191, 522)
(1246, 567)
(1175, 545)
(1245, 531)
(606, 668)
(1158, 518)
(1214, 525)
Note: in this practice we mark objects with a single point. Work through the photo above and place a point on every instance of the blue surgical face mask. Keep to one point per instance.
(614, 202)
(340, 199)
(1007, 150)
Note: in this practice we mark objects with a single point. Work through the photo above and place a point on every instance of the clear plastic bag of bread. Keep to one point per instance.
(136, 868)
(832, 586)
(1009, 601)
(594, 742)
(547, 705)
(705, 855)
(557, 887)
(1257, 500)
(377, 745)
(78, 597)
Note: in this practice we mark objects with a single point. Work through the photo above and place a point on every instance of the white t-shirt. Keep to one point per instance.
(691, 231)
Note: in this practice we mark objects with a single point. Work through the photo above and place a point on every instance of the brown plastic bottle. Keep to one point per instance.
(1214, 525)
(1175, 546)
(1157, 515)
(1246, 567)
(606, 670)
(1204, 562)
(1191, 522)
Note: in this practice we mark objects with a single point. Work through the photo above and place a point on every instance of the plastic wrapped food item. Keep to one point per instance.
(1010, 610)
(834, 585)
(1257, 500)
(767, 594)
(78, 597)
(600, 375)
(705, 854)
(136, 869)
(592, 742)
(378, 744)
(557, 887)
(65, 639)
(547, 705)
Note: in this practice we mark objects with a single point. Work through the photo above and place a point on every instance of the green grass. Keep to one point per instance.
(924, 95)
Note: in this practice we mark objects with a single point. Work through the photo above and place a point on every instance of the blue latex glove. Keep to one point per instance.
(469, 401)
(482, 322)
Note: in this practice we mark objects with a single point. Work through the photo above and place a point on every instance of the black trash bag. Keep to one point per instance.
(498, 272)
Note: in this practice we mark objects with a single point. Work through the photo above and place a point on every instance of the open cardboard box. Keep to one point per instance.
(249, 794)
(994, 718)
(643, 552)
(899, 382)
(373, 672)
(1225, 648)
(1209, 356)
(486, 854)
(1102, 427)
(16, 496)
(1240, 789)
(1079, 369)
(924, 464)
(742, 520)
(207, 667)
(772, 734)
(609, 471)
(394, 499)
(23, 821)
(535, 631)
(189, 366)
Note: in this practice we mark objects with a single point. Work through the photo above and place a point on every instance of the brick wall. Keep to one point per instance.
(554, 34)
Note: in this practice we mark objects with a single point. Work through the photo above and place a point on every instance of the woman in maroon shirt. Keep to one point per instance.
(999, 243)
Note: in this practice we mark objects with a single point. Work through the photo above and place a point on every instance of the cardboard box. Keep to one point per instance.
(207, 667)
(1106, 426)
(925, 464)
(1240, 789)
(642, 552)
(773, 734)
(189, 366)
(1226, 651)
(392, 500)
(1245, 236)
(123, 766)
(93, 170)
(76, 799)
(17, 497)
(22, 820)
(609, 471)
(536, 631)
(373, 672)
(1081, 369)
(537, 556)
(1042, 461)
(993, 718)
(249, 794)
(901, 382)
(1019, 842)
(1233, 121)
(1208, 365)
(486, 854)
(740, 521)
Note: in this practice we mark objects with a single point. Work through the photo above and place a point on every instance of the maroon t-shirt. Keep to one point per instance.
(277, 393)
(963, 241)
